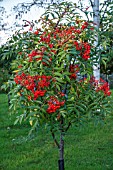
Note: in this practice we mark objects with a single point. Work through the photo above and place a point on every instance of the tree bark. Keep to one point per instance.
(96, 20)
(61, 149)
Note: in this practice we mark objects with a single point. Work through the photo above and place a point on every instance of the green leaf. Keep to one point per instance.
(45, 61)
(58, 74)
(58, 68)
(59, 80)
(58, 87)
(67, 78)
(103, 61)
(61, 53)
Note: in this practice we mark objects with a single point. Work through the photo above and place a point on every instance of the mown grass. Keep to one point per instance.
(86, 148)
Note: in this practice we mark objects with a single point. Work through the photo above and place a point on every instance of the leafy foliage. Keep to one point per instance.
(106, 36)
(51, 66)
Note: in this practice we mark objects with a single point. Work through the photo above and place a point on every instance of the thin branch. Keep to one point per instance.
(91, 2)
(82, 9)
(54, 138)
(68, 126)
(83, 12)
(61, 16)
(39, 3)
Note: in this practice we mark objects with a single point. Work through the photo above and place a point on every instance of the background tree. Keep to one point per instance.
(105, 36)
(101, 13)
(107, 39)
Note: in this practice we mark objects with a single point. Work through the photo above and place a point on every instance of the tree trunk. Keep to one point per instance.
(96, 20)
(61, 149)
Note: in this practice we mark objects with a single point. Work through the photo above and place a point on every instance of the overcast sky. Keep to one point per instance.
(34, 14)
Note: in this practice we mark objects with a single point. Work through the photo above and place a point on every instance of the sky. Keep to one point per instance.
(34, 14)
(9, 4)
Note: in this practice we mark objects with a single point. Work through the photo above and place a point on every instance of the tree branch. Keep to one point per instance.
(82, 9)
(91, 2)
(63, 13)
(24, 7)
(68, 126)
(54, 138)
(83, 12)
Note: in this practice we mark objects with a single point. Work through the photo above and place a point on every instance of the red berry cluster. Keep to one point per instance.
(101, 85)
(85, 51)
(35, 84)
(33, 54)
(54, 104)
(73, 69)
(62, 35)
(39, 53)
(104, 86)
(84, 26)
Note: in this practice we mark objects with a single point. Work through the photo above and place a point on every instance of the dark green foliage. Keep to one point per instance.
(106, 37)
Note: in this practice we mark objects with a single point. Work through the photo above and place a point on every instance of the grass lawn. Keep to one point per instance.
(86, 148)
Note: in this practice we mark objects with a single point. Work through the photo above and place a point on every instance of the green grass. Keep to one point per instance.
(86, 148)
